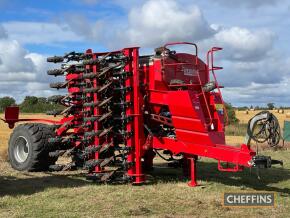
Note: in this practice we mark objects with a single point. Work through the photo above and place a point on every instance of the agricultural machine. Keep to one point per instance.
(123, 109)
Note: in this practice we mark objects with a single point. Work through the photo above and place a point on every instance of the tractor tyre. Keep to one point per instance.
(29, 147)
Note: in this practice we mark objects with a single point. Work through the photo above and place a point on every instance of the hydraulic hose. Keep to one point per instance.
(263, 127)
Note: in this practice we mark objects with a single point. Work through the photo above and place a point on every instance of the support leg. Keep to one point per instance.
(192, 167)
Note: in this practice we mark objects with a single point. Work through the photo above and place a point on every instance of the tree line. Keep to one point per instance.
(30, 104)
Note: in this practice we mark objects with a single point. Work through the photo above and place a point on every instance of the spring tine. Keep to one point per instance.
(54, 112)
(90, 62)
(91, 149)
(86, 119)
(56, 167)
(67, 110)
(55, 98)
(92, 163)
(107, 176)
(56, 153)
(105, 56)
(99, 104)
(90, 90)
(69, 166)
(105, 132)
(105, 87)
(105, 147)
(105, 116)
(106, 161)
(54, 140)
(89, 75)
(98, 133)
(69, 152)
(106, 101)
(106, 70)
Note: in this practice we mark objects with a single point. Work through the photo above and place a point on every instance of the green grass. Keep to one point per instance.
(166, 195)
(239, 129)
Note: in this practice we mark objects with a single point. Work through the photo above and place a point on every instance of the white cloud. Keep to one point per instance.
(259, 94)
(13, 58)
(157, 22)
(271, 70)
(150, 24)
(40, 32)
(244, 45)
(3, 33)
(85, 29)
(21, 72)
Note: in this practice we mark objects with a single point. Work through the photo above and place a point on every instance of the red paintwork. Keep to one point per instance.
(199, 124)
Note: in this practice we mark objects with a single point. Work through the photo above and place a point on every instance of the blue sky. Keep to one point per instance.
(254, 35)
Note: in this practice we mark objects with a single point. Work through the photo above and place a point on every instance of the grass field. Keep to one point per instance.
(68, 194)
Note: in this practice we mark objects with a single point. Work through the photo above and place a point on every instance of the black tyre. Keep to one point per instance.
(28, 147)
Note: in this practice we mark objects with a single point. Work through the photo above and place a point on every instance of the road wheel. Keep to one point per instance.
(28, 147)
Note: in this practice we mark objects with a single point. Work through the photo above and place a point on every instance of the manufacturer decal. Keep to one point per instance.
(189, 72)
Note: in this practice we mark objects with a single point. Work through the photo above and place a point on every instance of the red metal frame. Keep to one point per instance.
(198, 125)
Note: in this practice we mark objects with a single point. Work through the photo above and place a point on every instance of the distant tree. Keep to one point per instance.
(231, 114)
(257, 108)
(252, 107)
(42, 100)
(32, 104)
(243, 108)
(6, 102)
(30, 100)
(270, 106)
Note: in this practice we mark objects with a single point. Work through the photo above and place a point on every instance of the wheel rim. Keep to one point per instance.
(21, 149)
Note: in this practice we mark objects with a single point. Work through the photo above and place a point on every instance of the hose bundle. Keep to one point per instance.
(264, 127)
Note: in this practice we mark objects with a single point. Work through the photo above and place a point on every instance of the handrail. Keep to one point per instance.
(184, 43)
(210, 61)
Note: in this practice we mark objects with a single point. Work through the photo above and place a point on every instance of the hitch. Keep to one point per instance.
(261, 161)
